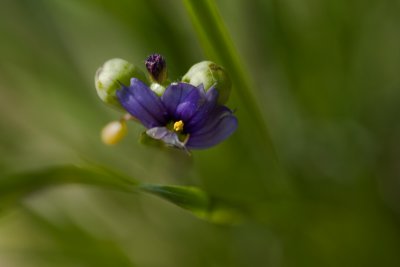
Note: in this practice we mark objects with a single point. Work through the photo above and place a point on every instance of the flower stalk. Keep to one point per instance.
(218, 46)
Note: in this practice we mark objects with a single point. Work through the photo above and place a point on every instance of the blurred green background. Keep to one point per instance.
(326, 78)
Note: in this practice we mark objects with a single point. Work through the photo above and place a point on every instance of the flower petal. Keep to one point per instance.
(185, 110)
(217, 128)
(193, 101)
(143, 104)
(203, 112)
(178, 93)
(168, 137)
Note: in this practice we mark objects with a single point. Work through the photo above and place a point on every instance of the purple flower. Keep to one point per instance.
(185, 116)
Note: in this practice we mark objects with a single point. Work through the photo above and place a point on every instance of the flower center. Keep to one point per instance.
(178, 126)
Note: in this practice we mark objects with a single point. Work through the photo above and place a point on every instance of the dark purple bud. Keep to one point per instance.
(157, 68)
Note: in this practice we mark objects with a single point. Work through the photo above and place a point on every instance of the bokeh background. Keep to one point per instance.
(326, 78)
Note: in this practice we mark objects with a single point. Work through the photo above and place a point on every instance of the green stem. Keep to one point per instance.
(217, 45)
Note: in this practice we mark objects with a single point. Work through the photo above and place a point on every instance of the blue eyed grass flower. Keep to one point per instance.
(210, 75)
(185, 116)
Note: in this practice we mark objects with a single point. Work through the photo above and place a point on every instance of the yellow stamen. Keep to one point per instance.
(178, 126)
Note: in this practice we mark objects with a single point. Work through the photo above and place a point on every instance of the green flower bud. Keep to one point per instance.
(208, 73)
(111, 75)
(157, 88)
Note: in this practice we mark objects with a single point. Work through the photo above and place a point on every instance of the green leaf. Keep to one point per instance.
(13, 188)
(196, 201)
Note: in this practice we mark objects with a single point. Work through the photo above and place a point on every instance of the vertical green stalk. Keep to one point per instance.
(217, 45)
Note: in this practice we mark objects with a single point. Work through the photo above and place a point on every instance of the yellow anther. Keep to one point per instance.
(178, 126)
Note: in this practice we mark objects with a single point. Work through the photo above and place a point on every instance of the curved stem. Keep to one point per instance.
(217, 45)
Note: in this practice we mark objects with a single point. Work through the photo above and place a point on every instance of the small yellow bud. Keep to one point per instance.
(113, 132)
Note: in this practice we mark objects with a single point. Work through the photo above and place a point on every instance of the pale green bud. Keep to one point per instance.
(208, 73)
(111, 75)
(157, 88)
